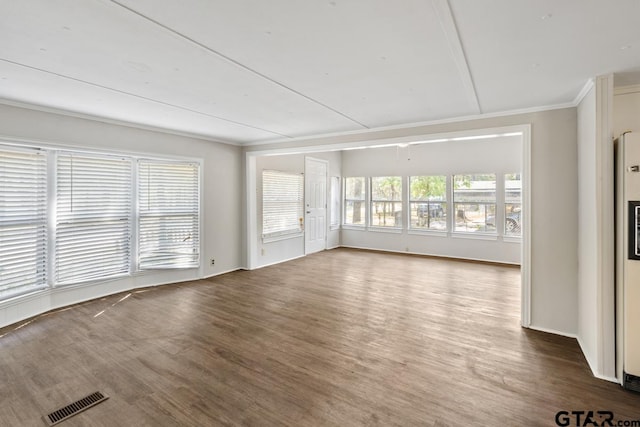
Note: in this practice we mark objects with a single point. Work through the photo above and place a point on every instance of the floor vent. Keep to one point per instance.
(631, 382)
(74, 408)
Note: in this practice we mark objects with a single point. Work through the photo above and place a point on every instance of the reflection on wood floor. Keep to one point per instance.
(339, 338)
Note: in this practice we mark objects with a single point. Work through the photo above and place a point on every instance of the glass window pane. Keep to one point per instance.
(474, 198)
(513, 204)
(428, 202)
(354, 201)
(386, 188)
(386, 201)
(475, 217)
(386, 214)
(475, 188)
(354, 188)
(429, 215)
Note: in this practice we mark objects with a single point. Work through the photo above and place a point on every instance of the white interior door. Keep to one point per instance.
(315, 203)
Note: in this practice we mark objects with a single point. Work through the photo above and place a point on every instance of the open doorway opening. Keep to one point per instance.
(462, 223)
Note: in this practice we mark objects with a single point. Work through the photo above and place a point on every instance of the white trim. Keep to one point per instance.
(525, 246)
(552, 331)
(390, 230)
(220, 273)
(606, 333)
(433, 233)
(474, 236)
(77, 148)
(281, 235)
(44, 299)
(117, 122)
(624, 90)
(251, 211)
(353, 227)
(426, 254)
(594, 371)
(257, 267)
(422, 138)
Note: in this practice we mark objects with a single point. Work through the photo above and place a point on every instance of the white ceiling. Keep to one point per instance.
(246, 71)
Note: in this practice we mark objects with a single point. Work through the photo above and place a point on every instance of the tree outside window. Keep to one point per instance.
(386, 201)
(428, 202)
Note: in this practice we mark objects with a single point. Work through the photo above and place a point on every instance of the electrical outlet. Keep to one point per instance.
(213, 261)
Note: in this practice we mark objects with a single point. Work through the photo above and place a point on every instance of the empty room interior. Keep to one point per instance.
(325, 213)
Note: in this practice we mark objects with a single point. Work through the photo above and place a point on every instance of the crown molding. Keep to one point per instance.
(117, 122)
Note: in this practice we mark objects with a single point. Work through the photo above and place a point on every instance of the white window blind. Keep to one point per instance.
(282, 200)
(23, 221)
(169, 209)
(93, 217)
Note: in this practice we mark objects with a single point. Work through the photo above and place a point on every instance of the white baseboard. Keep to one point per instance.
(553, 331)
(515, 264)
(594, 371)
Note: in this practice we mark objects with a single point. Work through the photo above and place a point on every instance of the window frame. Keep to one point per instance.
(363, 200)
(445, 201)
(69, 225)
(179, 260)
(290, 229)
(38, 220)
(335, 215)
(397, 214)
(454, 203)
(49, 152)
(506, 202)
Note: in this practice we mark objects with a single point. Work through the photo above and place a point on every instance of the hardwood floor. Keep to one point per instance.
(338, 338)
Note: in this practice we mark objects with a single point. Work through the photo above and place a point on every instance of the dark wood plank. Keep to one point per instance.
(338, 338)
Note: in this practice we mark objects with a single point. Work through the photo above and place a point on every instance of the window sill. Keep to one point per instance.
(271, 239)
(475, 236)
(512, 239)
(353, 227)
(391, 230)
(433, 233)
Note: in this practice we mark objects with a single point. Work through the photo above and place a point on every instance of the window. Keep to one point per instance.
(168, 203)
(386, 201)
(93, 217)
(428, 202)
(354, 201)
(68, 217)
(335, 202)
(23, 221)
(282, 200)
(474, 199)
(513, 205)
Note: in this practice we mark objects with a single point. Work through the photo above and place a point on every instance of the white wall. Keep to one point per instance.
(496, 155)
(587, 229)
(293, 247)
(221, 204)
(554, 207)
